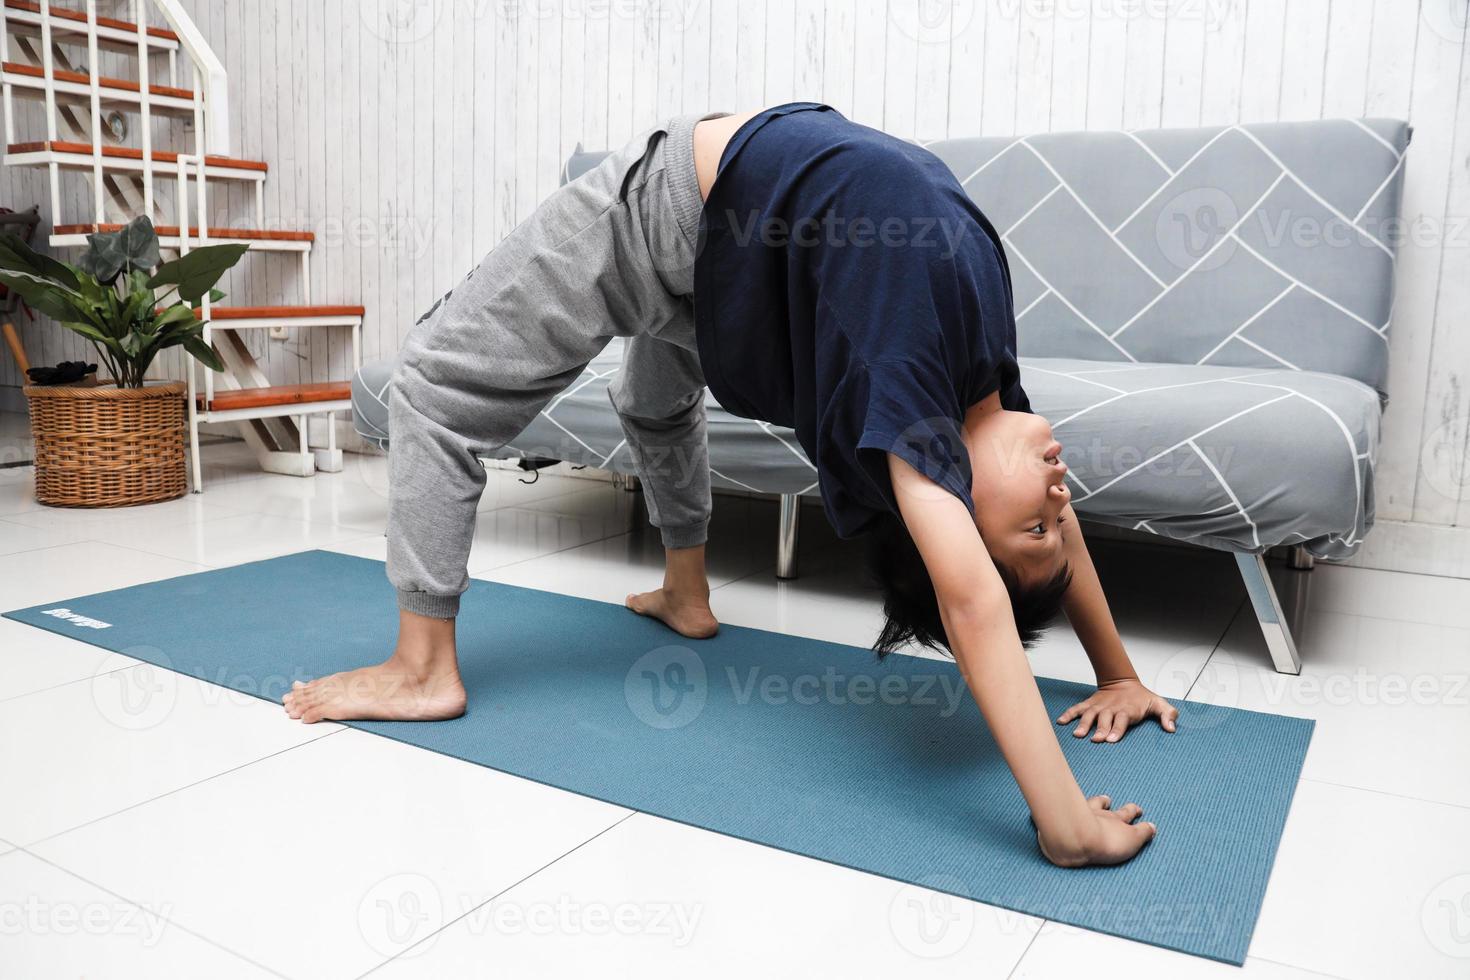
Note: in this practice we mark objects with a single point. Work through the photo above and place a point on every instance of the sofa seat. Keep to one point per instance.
(1237, 458)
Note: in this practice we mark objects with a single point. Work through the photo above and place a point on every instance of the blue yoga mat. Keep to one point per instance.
(811, 747)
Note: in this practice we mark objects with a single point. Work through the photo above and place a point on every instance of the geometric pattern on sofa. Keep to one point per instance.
(1264, 245)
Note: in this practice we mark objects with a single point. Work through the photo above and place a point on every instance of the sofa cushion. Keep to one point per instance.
(1234, 458)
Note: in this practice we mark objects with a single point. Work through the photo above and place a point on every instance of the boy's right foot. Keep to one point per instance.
(390, 691)
(687, 616)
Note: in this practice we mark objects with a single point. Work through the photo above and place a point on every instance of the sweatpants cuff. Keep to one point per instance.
(688, 536)
(429, 604)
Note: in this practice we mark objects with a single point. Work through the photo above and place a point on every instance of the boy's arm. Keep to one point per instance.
(1121, 699)
(982, 632)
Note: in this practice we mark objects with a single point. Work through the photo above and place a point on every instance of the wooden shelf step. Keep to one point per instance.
(30, 81)
(319, 391)
(79, 155)
(79, 19)
(217, 313)
(168, 235)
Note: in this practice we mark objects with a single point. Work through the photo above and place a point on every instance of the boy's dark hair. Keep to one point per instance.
(911, 609)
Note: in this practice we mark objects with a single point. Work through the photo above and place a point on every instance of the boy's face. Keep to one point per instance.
(1019, 491)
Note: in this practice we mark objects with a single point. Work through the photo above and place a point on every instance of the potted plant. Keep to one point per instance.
(121, 442)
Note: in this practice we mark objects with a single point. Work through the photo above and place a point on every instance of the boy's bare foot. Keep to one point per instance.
(388, 692)
(420, 682)
(688, 616)
(683, 603)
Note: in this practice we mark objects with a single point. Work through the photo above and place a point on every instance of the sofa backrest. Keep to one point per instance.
(1266, 245)
(1260, 245)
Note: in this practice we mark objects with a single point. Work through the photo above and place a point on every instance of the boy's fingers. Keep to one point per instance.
(1104, 725)
(1146, 829)
(1120, 725)
(1129, 812)
(1168, 716)
(1069, 714)
(1100, 802)
(1086, 724)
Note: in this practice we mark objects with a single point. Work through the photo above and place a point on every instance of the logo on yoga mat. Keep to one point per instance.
(666, 687)
(77, 619)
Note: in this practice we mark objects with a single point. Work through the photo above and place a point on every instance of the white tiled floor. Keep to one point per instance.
(156, 826)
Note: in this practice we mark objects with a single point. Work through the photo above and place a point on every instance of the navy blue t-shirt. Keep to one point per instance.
(846, 286)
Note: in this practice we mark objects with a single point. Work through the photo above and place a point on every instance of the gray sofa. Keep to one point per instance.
(1202, 314)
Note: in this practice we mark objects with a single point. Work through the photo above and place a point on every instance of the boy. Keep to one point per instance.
(847, 287)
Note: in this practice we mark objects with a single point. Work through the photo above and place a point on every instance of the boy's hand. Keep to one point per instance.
(1111, 838)
(1116, 707)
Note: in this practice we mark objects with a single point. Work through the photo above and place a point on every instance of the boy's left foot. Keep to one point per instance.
(689, 617)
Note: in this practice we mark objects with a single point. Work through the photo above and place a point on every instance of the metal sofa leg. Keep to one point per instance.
(1300, 559)
(786, 538)
(1274, 623)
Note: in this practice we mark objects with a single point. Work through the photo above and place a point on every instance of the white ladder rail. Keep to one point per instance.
(9, 97)
(95, 73)
(48, 72)
(144, 108)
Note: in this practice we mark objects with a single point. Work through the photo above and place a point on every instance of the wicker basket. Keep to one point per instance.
(104, 446)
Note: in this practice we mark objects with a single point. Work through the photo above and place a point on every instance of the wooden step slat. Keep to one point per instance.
(76, 77)
(172, 231)
(131, 153)
(66, 13)
(320, 391)
(278, 312)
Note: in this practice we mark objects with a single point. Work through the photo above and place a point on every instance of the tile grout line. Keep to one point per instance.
(1385, 792)
(179, 789)
(513, 885)
(1031, 942)
(76, 680)
(148, 911)
(1219, 640)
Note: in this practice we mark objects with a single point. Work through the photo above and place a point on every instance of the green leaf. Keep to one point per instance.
(16, 255)
(196, 273)
(51, 298)
(178, 313)
(203, 353)
(134, 246)
(215, 295)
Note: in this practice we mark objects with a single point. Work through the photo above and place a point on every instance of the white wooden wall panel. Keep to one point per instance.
(412, 135)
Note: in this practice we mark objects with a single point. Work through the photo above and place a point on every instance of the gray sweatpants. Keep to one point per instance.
(610, 254)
